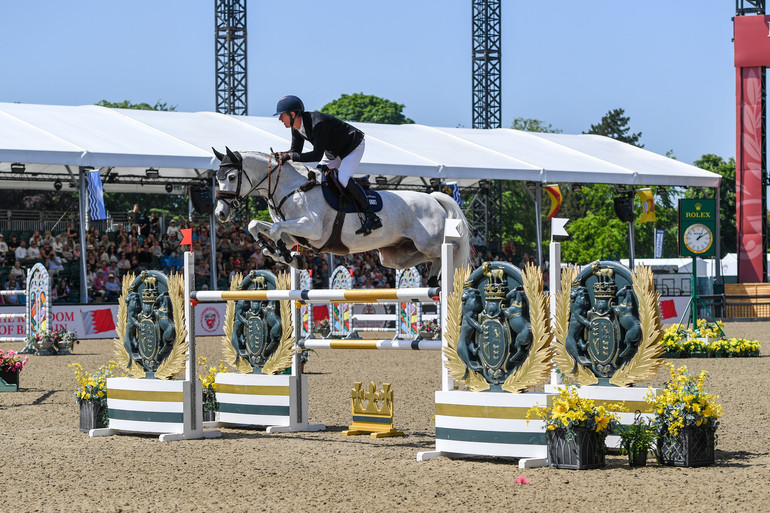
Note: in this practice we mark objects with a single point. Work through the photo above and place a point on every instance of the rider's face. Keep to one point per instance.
(285, 119)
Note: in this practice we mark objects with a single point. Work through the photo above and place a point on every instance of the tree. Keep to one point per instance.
(534, 125)
(615, 125)
(366, 109)
(125, 104)
(598, 233)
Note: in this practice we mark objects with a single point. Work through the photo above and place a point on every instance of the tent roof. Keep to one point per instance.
(58, 139)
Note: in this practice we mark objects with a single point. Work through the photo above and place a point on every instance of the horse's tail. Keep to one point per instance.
(453, 211)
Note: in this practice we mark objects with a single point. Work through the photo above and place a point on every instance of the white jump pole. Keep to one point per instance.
(321, 295)
(412, 345)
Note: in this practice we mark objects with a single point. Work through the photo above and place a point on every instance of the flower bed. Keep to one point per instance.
(706, 341)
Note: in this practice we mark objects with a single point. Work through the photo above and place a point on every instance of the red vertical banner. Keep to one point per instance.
(748, 174)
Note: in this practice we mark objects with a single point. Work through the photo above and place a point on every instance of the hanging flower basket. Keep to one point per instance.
(584, 450)
(92, 415)
(693, 446)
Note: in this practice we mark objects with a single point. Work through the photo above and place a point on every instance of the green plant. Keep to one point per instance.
(305, 355)
(208, 382)
(636, 439)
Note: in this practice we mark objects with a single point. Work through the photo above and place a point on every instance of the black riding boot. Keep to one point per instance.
(357, 194)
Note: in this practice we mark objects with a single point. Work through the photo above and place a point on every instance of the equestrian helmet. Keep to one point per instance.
(289, 104)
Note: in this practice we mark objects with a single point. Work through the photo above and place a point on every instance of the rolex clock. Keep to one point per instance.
(698, 238)
(697, 224)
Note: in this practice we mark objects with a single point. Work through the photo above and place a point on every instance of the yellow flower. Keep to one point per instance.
(601, 423)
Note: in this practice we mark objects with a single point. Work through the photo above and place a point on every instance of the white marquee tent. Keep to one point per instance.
(55, 139)
(57, 142)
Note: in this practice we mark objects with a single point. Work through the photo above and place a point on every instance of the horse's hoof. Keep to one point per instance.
(298, 262)
(433, 281)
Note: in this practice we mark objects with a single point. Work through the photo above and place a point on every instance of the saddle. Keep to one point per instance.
(335, 196)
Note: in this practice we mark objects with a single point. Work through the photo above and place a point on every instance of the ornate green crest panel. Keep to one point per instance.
(498, 329)
(608, 324)
(256, 325)
(150, 331)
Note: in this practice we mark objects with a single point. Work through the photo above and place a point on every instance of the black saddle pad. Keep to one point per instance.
(375, 200)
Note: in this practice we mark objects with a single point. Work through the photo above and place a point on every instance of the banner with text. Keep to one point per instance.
(98, 320)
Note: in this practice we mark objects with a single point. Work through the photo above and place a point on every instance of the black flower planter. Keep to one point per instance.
(9, 381)
(638, 459)
(209, 415)
(692, 447)
(91, 415)
(585, 450)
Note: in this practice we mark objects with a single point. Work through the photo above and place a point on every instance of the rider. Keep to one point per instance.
(336, 144)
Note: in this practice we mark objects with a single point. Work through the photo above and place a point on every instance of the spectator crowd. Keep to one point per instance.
(145, 245)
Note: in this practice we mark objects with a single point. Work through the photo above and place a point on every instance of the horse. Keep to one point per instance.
(412, 222)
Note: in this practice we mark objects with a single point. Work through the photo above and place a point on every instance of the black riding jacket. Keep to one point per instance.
(327, 134)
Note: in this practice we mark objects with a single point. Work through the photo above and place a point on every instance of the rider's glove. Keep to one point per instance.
(286, 156)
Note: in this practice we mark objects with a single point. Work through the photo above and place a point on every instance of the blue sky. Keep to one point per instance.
(668, 63)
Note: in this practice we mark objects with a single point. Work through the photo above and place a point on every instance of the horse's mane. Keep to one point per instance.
(298, 167)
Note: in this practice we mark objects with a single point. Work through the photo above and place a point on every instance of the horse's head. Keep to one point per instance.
(229, 179)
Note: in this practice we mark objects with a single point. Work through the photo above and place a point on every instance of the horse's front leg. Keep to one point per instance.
(272, 247)
(306, 227)
(260, 230)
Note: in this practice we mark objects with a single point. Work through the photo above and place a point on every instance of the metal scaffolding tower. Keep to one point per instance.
(230, 42)
(485, 209)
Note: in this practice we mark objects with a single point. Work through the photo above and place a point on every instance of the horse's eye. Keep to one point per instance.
(231, 178)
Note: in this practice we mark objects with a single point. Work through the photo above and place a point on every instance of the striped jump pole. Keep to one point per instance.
(13, 292)
(321, 295)
(417, 344)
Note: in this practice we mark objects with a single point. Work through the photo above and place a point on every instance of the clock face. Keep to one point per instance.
(698, 238)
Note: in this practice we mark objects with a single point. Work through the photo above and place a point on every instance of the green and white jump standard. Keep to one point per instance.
(173, 409)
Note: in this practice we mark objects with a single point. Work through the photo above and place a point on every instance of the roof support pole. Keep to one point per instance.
(213, 238)
(82, 205)
(539, 221)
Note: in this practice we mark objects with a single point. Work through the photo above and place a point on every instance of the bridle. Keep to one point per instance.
(233, 198)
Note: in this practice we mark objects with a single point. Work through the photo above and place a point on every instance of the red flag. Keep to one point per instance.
(555, 194)
(186, 237)
(668, 309)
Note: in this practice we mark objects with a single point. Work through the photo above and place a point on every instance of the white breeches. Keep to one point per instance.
(346, 167)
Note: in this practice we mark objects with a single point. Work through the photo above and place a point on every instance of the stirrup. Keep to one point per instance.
(369, 224)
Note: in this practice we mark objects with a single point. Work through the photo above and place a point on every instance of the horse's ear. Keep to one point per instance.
(218, 155)
(233, 157)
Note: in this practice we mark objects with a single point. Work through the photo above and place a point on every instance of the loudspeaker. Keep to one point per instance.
(624, 208)
(201, 198)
